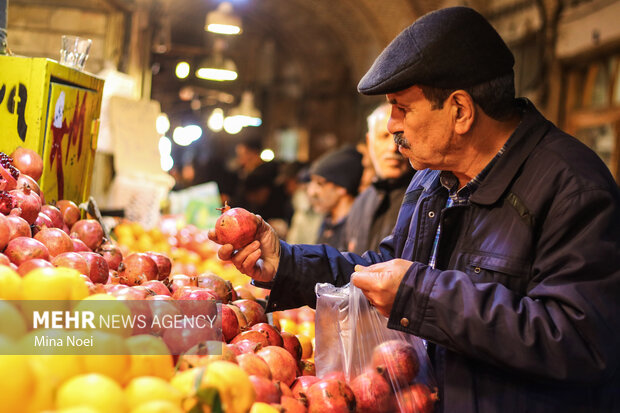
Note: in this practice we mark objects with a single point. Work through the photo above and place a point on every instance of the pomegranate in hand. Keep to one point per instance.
(236, 226)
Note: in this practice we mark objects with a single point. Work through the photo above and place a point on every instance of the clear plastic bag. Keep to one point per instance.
(388, 370)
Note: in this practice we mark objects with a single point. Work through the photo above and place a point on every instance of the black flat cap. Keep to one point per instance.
(452, 48)
(342, 167)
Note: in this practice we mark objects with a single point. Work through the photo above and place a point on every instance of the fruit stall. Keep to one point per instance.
(59, 252)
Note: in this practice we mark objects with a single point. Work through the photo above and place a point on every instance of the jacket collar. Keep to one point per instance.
(530, 131)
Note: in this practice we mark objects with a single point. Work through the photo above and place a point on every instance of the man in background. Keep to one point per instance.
(334, 180)
(374, 212)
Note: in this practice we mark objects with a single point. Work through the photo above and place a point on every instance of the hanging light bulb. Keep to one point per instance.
(182, 70)
(232, 125)
(216, 120)
(246, 113)
(217, 67)
(223, 21)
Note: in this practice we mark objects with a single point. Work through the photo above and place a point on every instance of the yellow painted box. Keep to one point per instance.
(53, 110)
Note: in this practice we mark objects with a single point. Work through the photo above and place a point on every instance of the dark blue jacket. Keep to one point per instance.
(522, 310)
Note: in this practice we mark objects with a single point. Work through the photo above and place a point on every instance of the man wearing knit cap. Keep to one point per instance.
(505, 256)
(335, 178)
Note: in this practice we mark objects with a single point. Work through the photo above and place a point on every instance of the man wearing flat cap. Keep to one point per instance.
(506, 253)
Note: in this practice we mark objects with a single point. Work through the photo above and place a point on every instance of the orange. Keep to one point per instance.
(158, 406)
(149, 357)
(288, 325)
(142, 390)
(113, 359)
(59, 283)
(91, 390)
(17, 380)
(306, 346)
(10, 284)
(306, 328)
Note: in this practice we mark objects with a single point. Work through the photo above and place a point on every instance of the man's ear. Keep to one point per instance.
(464, 110)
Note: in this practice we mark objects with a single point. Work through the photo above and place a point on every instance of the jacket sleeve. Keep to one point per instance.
(565, 327)
(303, 266)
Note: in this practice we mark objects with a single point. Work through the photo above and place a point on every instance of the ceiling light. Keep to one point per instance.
(182, 70)
(162, 123)
(223, 20)
(246, 113)
(218, 69)
(216, 120)
(267, 155)
(232, 125)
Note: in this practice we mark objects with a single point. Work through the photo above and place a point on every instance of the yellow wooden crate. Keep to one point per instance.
(53, 110)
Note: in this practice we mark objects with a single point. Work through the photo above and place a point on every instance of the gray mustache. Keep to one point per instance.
(399, 139)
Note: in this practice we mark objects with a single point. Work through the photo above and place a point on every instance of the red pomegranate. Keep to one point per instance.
(230, 324)
(222, 288)
(137, 268)
(291, 343)
(29, 203)
(22, 249)
(18, 227)
(274, 337)
(247, 346)
(4, 260)
(266, 390)
(417, 398)
(284, 389)
(56, 240)
(330, 395)
(306, 368)
(157, 288)
(282, 365)
(112, 254)
(72, 260)
(302, 384)
(42, 221)
(253, 336)
(373, 393)
(89, 231)
(236, 226)
(254, 312)
(28, 162)
(69, 210)
(291, 405)
(181, 340)
(79, 246)
(5, 233)
(54, 214)
(26, 180)
(397, 360)
(180, 280)
(164, 264)
(243, 322)
(27, 266)
(98, 270)
(336, 375)
(7, 203)
(253, 365)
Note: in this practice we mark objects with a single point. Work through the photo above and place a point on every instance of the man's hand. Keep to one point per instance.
(380, 282)
(259, 259)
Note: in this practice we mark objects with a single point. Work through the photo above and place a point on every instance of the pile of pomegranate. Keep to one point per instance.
(34, 235)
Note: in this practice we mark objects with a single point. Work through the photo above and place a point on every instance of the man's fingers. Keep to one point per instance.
(225, 252)
(249, 264)
(363, 280)
(239, 257)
